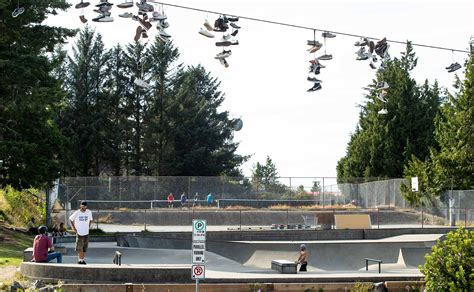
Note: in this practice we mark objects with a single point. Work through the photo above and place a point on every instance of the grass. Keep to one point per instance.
(12, 246)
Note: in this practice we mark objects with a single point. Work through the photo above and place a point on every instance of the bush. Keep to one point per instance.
(449, 266)
(19, 206)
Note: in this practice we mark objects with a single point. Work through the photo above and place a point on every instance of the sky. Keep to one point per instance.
(304, 133)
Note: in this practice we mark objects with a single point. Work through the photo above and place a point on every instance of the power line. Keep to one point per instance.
(306, 27)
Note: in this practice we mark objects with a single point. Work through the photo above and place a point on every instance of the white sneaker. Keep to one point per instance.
(381, 96)
(139, 82)
(383, 112)
(126, 4)
(106, 19)
(126, 15)
(226, 37)
(164, 34)
(223, 55)
(206, 33)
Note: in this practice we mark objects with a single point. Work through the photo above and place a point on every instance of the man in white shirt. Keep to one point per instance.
(81, 220)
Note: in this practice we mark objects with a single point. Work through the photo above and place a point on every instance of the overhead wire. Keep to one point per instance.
(306, 27)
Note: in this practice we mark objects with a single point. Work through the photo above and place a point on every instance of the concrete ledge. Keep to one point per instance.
(107, 273)
(92, 238)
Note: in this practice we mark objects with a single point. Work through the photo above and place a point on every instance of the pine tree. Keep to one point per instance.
(383, 144)
(84, 121)
(30, 95)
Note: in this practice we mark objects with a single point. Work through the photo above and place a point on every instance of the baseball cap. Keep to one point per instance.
(84, 203)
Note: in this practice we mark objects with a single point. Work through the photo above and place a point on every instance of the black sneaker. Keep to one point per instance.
(224, 44)
(234, 25)
(232, 19)
(372, 65)
(235, 32)
(455, 67)
(317, 86)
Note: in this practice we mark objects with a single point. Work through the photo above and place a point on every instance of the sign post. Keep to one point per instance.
(198, 269)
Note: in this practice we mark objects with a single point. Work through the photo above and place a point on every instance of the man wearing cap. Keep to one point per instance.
(43, 249)
(81, 221)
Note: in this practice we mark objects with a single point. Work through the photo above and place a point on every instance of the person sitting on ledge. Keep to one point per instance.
(43, 249)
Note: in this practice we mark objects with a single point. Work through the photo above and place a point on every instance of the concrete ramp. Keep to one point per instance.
(325, 255)
(413, 256)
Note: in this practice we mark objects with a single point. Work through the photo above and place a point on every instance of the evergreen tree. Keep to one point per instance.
(84, 121)
(450, 165)
(383, 144)
(30, 95)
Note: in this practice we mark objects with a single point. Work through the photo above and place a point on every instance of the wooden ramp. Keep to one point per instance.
(352, 221)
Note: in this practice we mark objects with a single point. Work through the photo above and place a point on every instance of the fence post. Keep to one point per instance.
(323, 192)
(465, 217)
(287, 220)
(240, 219)
(97, 220)
(378, 222)
(145, 219)
(422, 217)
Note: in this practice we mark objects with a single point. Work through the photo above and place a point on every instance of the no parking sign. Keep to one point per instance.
(198, 271)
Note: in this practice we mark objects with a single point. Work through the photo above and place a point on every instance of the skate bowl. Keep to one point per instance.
(153, 261)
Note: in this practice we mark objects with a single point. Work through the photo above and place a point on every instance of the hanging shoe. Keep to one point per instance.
(226, 37)
(235, 25)
(206, 33)
(382, 112)
(224, 62)
(103, 4)
(382, 85)
(141, 83)
(145, 7)
(314, 79)
(313, 49)
(362, 42)
(372, 65)
(455, 66)
(325, 57)
(126, 4)
(82, 4)
(328, 35)
(126, 15)
(208, 26)
(164, 34)
(317, 86)
(314, 43)
(144, 34)
(381, 96)
(83, 18)
(146, 24)
(224, 54)
(97, 19)
(360, 51)
(235, 32)
(371, 47)
(362, 57)
(18, 11)
(232, 18)
(138, 33)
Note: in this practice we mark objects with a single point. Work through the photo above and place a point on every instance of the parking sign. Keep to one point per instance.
(199, 230)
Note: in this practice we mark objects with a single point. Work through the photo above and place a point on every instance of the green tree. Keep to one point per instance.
(449, 267)
(84, 122)
(449, 164)
(30, 95)
(383, 144)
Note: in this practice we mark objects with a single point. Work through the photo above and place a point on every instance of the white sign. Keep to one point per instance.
(199, 251)
(198, 272)
(414, 184)
(199, 230)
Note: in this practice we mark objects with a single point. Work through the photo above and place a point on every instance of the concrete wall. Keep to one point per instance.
(107, 273)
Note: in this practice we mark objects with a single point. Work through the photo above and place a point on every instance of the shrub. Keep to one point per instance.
(449, 266)
(19, 206)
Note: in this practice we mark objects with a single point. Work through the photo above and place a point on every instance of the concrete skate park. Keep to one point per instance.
(243, 254)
